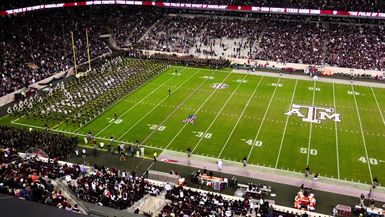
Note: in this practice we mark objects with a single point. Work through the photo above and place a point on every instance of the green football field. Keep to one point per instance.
(338, 130)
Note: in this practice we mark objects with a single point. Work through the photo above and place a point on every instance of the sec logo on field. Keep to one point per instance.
(219, 85)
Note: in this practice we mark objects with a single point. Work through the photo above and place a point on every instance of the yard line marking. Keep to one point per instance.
(176, 109)
(121, 99)
(362, 133)
(197, 110)
(156, 106)
(311, 128)
(57, 124)
(18, 118)
(218, 113)
(287, 120)
(336, 132)
(240, 116)
(264, 117)
(164, 83)
(4, 116)
(84, 135)
(378, 106)
(104, 139)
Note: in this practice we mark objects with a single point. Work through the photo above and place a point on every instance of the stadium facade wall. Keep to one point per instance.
(11, 96)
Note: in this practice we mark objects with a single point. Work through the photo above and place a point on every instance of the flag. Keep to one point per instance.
(190, 119)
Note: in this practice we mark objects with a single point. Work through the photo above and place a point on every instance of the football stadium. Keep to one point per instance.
(192, 108)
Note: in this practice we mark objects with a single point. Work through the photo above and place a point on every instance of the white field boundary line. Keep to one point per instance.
(303, 77)
(240, 117)
(218, 113)
(197, 111)
(83, 135)
(176, 109)
(336, 132)
(310, 128)
(163, 149)
(263, 119)
(287, 121)
(132, 107)
(362, 134)
(378, 106)
(122, 98)
(157, 105)
(4, 116)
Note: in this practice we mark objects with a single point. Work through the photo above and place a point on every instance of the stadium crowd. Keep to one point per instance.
(37, 45)
(113, 188)
(30, 179)
(276, 38)
(194, 203)
(187, 202)
(356, 46)
(56, 146)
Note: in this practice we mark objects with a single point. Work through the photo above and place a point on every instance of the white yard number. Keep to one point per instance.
(276, 85)
(304, 151)
(115, 121)
(157, 127)
(208, 77)
(241, 81)
(316, 89)
(372, 161)
(353, 93)
(176, 74)
(255, 143)
(203, 134)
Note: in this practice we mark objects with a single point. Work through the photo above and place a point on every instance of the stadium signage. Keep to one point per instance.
(314, 114)
(254, 9)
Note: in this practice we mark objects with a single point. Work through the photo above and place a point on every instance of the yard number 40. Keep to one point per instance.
(372, 161)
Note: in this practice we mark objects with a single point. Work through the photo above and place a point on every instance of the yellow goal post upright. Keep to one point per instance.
(74, 53)
(88, 51)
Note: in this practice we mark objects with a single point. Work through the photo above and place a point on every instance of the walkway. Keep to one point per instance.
(274, 175)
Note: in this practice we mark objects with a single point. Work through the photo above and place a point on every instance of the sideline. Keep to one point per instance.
(326, 184)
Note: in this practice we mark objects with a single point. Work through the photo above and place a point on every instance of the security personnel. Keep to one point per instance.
(155, 155)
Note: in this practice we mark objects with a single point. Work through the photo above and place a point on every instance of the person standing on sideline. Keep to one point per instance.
(315, 178)
(141, 151)
(95, 148)
(375, 182)
(188, 152)
(362, 199)
(84, 153)
(307, 171)
(155, 155)
(219, 164)
(244, 161)
(121, 151)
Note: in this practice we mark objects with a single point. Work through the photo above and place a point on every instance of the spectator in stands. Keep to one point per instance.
(107, 188)
(54, 145)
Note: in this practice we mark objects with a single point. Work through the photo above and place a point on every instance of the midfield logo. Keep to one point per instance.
(314, 114)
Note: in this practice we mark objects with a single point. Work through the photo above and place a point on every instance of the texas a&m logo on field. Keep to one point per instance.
(313, 114)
